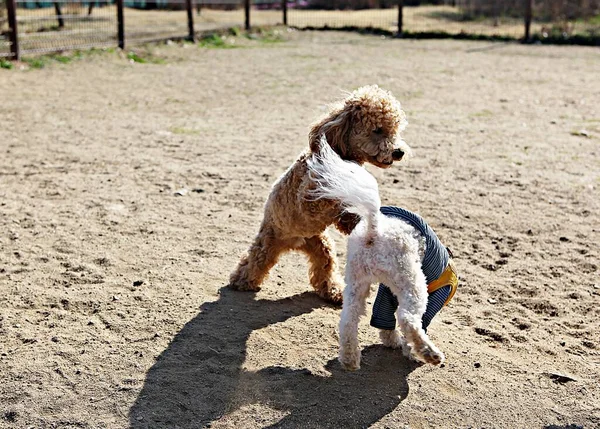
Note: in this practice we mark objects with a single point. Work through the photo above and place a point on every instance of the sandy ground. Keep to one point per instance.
(113, 311)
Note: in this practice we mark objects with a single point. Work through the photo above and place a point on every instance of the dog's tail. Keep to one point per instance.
(347, 182)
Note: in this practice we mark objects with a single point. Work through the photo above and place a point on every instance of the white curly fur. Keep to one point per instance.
(381, 249)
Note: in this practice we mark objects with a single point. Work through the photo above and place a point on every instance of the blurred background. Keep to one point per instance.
(48, 26)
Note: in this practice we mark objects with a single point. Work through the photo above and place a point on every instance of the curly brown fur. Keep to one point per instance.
(365, 127)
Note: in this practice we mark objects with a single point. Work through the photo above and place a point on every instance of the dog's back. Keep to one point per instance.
(290, 207)
(385, 251)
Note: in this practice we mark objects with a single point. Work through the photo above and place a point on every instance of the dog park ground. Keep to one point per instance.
(129, 190)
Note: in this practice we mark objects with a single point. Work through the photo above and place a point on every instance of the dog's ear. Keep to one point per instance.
(336, 127)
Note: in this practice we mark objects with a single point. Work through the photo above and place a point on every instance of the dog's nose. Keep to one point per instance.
(397, 154)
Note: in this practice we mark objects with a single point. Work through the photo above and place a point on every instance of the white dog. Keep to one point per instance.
(381, 249)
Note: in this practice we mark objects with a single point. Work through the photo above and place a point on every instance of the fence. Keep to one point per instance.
(554, 20)
(34, 26)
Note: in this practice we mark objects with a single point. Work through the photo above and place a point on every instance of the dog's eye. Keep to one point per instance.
(378, 131)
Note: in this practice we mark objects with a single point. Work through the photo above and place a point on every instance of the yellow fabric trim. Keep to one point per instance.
(448, 278)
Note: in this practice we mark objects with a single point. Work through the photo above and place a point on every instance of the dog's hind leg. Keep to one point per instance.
(255, 265)
(412, 301)
(355, 297)
(323, 268)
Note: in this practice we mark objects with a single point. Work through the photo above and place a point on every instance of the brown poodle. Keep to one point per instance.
(365, 127)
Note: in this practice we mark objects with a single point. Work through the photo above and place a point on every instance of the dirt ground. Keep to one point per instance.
(113, 307)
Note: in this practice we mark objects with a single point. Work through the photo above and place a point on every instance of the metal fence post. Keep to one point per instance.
(59, 15)
(247, 13)
(11, 8)
(120, 24)
(190, 17)
(528, 17)
(400, 17)
(284, 8)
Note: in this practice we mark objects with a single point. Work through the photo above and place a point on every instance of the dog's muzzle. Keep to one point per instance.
(397, 154)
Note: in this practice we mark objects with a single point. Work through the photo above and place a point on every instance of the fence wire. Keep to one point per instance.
(48, 25)
(504, 18)
(4, 31)
(146, 21)
(65, 25)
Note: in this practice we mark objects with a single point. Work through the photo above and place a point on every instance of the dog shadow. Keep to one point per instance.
(200, 377)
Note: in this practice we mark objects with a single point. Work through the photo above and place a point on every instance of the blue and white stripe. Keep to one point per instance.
(435, 302)
(386, 304)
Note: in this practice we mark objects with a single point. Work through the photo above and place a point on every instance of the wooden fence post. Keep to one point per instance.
(120, 24)
(190, 16)
(11, 8)
(247, 13)
(528, 17)
(284, 8)
(400, 17)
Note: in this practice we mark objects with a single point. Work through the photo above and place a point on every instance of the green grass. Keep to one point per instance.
(42, 61)
(45, 60)
(37, 62)
(66, 59)
(183, 131)
(266, 35)
(482, 114)
(4, 64)
(234, 38)
(144, 58)
(217, 41)
(594, 20)
(235, 31)
(132, 56)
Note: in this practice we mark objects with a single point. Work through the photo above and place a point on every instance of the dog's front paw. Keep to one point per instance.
(431, 354)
